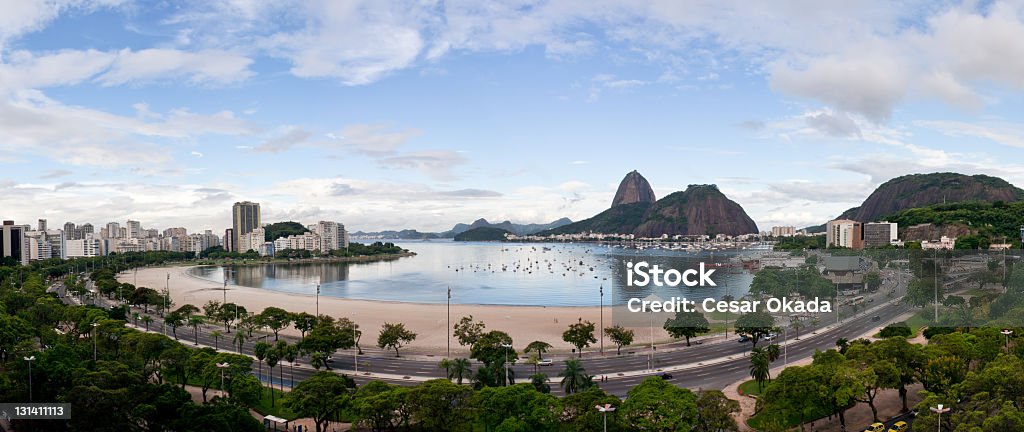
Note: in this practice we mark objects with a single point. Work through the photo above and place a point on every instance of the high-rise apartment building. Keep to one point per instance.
(332, 235)
(13, 242)
(41, 226)
(251, 240)
(878, 234)
(783, 231)
(69, 231)
(113, 230)
(229, 240)
(844, 233)
(84, 231)
(245, 217)
(133, 229)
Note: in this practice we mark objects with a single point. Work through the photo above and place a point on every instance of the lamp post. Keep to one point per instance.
(939, 410)
(94, 325)
(355, 347)
(604, 411)
(785, 343)
(449, 311)
(935, 261)
(318, 299)
(1007, 333)
(602, 318)
(507, 347)
(29, 360)
(222, 366)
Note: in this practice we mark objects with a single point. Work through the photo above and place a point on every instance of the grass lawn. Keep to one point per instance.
(922, 319)
(264, 407)
(749, 388)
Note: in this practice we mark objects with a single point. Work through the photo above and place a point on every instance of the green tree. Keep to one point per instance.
(239, 340)
(394, 336)
(657, 405)
(467, 331)
(579, 413)
(174, 320)
(303, 322)
(620, 336)
(687, 325)
(715, 412)
(276, 319)
(574, 377)
(457, 369)
(539, 347)
(872, 280)
(493, 348)
(216, 334)
(147, 320)
(440, 405)
(272, 358)
(381, 406)
(540, 382)
(756, 325)
(760, 367)
(580, 335)
(195, 321)
(321, 397)
(519, 404)
(260, 351)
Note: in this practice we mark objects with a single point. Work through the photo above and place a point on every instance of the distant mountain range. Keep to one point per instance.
(699, 210)
(924, 190)
(518, 229)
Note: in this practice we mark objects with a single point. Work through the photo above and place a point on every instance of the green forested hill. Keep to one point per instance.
(993, 220)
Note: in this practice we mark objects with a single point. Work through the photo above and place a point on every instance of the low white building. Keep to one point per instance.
(943, 243)
(87, 247)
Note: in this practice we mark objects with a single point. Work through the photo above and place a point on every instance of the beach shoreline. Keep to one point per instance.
(428, 320)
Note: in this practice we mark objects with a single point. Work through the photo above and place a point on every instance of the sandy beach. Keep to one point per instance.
(523, 323)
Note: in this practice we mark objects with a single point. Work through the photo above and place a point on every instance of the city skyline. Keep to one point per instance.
(386, 115)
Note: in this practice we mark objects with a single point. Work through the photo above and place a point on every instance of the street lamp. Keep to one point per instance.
(449, 355)
(29, 360)
(602, 318)
(1007, 333)
(939, 409)
(94, 325)
(318, 299)
(604, 411)
(507, 347)
(222, 366)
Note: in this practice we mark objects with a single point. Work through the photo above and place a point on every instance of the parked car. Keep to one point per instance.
(900, 426)
(875, 427)
(545, 362)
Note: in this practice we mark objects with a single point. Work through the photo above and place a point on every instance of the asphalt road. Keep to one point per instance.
(715, 348)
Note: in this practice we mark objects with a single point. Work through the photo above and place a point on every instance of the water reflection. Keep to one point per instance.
(491, 273)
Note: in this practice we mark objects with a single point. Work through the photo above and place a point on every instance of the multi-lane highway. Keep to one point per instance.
(713, 362)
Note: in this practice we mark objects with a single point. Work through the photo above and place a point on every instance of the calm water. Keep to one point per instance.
(489, 273)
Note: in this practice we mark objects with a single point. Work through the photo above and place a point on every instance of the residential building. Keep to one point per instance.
(56, 238)
(175, 232)
(229, 240)
(113, 230)
(943, 243)
(87, 247)
(13, 242)
(308, 241)
(783, 231)
(251, 240)
(70, 231)
(133, 229)
(85, 231)
(245, 217)
(844, 233)
(332, 235)
(879, 234)
(41, 226)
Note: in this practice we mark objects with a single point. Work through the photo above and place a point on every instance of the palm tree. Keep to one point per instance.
(239, 340)
(272, 357)
(797, 325)
(260, 351)
(318, 360)
(147, 320)
(457, 369)
(216, 337)
(135, 318)
(175, 320)
(773, 352)
(574, 376)
(195, 321)
(759, 367)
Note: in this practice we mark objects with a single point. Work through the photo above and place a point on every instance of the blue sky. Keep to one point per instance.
(422, 114)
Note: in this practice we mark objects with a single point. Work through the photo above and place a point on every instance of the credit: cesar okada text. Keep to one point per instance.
(643, 274)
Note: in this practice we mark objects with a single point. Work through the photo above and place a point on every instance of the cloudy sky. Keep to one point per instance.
(421, 114)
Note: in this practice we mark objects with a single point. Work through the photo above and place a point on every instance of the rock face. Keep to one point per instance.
(634, 188)
(699, 210)
(922, 190)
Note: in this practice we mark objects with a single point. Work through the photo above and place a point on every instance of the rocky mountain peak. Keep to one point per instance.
(634, 188)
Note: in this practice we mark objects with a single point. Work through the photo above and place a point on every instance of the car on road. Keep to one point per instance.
(771, 337)
(329, 359)
(545, 362)
(665, 376)
(900, 426)
(876, 318)
(744, 338)
(875, 427)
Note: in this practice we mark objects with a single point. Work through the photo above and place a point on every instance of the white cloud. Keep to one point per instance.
(374, 139)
